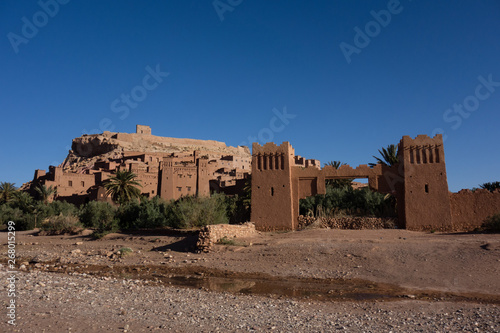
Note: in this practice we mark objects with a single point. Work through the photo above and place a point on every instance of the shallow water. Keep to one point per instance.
(261, 284)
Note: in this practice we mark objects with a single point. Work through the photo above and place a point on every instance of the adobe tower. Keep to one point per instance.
(273, 207)
(426, 201)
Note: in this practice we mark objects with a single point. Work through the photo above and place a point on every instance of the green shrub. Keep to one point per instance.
(151, 213)
(62, 207)
(100, 216)
(189, 212)
(26, 212)
(237, 208)
(94, 213)
(62, 224)
(346, 201)
(23, 221)
(128, 215)
(146, 214)
(491, 224)
(27, 222)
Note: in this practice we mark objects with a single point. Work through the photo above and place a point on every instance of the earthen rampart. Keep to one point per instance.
(469, 208)
(418, 182)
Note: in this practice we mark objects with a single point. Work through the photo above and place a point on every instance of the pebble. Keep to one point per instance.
(129, 305)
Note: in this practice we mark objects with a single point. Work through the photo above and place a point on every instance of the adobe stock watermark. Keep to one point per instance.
(222, 6)
(277, 124)
(30, 28)
(458, 112)
(11, 271)
(131, 100)
(372, 29)
(125, 102)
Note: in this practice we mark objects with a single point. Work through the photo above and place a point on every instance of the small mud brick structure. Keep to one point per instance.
(280, 179)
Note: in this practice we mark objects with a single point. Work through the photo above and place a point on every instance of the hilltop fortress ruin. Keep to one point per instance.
(168, 167)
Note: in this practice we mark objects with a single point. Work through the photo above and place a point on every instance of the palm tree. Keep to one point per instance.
(45, 193)
(247, 193)
(7, 191)
(491, 186)
(335, 164)
(123, 187)
(337, 183)
(22, 200)
(389, 156)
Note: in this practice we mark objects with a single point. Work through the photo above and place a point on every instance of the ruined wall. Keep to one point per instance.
(211, 234)
(469, 209)
(142, 129)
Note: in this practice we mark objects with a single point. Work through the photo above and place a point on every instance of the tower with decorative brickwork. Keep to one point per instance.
(273, 206)
(425, 201)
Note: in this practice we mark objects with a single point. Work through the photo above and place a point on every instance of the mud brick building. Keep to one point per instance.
(210, 167)
(419, 183)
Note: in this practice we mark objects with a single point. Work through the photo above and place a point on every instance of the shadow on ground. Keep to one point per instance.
(187, 244)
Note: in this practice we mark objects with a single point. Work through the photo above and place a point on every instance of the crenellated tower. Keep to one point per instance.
(273, 207)
(425, 198)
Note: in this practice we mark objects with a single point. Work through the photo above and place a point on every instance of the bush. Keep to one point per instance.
(128, 215)
(23, 221)
(237, 210)
(189, 212)
(491, 224)
(100, 216)
(26, 212)
(346, 201)
(62, 224)
(62, 207)
(146, 214)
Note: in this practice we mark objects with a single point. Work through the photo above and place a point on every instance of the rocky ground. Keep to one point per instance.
(317, 281)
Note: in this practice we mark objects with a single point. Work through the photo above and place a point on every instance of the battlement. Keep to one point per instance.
(270, 147)
(421, 150)
(421, 139)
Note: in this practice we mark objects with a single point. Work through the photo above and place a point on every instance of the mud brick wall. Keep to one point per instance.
(211, 234)
(469, 209)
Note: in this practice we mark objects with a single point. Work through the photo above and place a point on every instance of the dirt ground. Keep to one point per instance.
(391, 264)
(446, 262)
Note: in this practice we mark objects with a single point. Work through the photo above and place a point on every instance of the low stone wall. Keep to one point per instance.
(347, 222)
(211, 234)
(469, 208)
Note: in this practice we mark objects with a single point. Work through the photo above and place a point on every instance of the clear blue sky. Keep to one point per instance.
(229, 66)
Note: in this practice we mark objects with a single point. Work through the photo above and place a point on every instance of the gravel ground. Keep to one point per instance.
(49, 302)
(72, 301)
